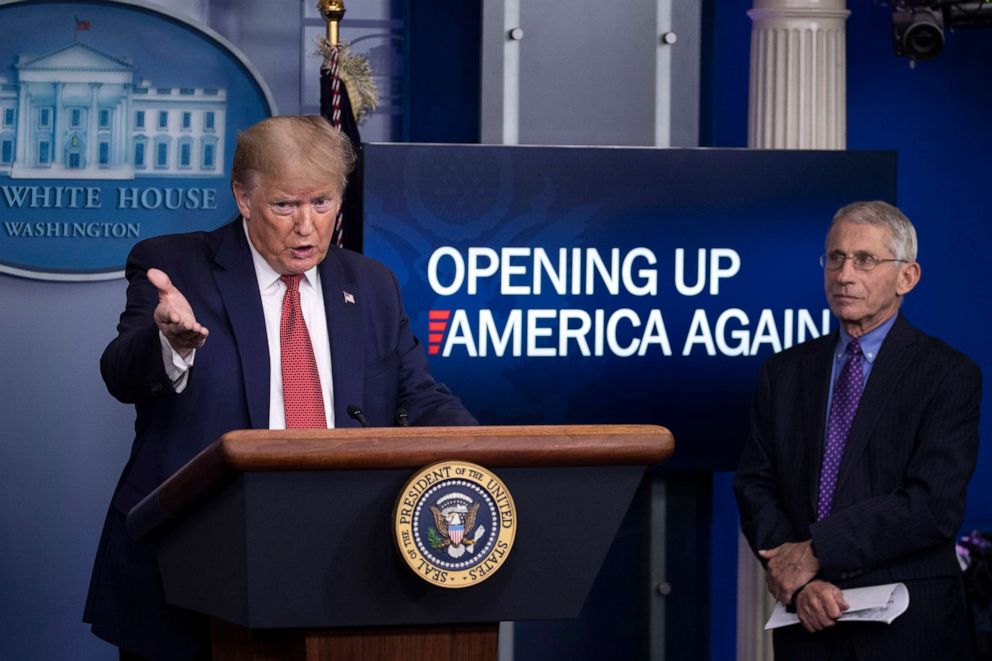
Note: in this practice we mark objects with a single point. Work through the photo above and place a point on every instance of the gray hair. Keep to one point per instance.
(883, 214)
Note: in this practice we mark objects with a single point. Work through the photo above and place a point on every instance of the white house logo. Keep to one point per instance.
(454, 524)
(108, 137)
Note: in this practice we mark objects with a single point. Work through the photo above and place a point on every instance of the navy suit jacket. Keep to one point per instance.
(902, 481)
(376, 364)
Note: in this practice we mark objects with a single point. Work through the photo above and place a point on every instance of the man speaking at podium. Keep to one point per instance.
(862, 444)
(259, 324)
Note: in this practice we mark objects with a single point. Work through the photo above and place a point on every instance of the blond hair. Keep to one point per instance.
(265, 149)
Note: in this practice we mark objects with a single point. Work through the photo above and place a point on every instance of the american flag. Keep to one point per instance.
(335, 107)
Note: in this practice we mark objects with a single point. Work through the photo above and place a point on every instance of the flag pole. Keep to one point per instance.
(333, 12)
(344, 78)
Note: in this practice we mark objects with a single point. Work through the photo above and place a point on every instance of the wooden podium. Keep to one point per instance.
(285, 538)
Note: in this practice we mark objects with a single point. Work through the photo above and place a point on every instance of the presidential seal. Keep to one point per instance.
(454, 524)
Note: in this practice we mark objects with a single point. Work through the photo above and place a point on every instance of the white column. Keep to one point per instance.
(798, 100)
(117, 155)
(93, 129)
(58, 141)
(798, 75)
(125, 135)
(754, 605)
(22, 149)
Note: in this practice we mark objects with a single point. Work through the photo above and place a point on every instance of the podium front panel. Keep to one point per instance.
(309, 549)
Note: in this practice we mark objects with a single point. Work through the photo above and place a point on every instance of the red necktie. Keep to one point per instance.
(301, 393)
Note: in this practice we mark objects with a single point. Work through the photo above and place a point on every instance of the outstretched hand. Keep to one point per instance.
(174, 316)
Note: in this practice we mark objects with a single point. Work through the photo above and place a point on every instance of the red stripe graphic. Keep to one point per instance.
(437, 325)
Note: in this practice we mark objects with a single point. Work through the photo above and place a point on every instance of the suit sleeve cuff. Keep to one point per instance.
(176, 367)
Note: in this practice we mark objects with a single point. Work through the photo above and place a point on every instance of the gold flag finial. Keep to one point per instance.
(333, 12)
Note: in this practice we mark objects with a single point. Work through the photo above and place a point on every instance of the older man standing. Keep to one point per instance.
(861, 447)
(259, 324)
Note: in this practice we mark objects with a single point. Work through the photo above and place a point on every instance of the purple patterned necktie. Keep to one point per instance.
(847, 394)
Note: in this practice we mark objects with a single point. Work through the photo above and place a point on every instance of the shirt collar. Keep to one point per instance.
(871, 342)
(266, 275)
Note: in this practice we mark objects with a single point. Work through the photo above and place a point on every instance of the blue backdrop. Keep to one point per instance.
(548, 286)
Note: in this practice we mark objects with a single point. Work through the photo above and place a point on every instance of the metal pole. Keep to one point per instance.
(333, 12)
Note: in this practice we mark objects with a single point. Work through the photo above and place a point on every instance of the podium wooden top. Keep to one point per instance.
(376, 448)
(414, 447)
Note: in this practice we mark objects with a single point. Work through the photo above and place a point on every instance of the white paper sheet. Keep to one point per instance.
(877, 603)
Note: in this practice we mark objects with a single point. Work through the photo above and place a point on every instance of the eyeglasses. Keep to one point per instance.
(862, 261)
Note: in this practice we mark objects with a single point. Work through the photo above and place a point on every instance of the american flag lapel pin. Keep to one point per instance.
(348, 297)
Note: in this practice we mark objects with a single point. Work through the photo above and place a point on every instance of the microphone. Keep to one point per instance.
(356, 414)
(402, 418)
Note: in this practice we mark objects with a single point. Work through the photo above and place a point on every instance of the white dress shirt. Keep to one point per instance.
(272, 290)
